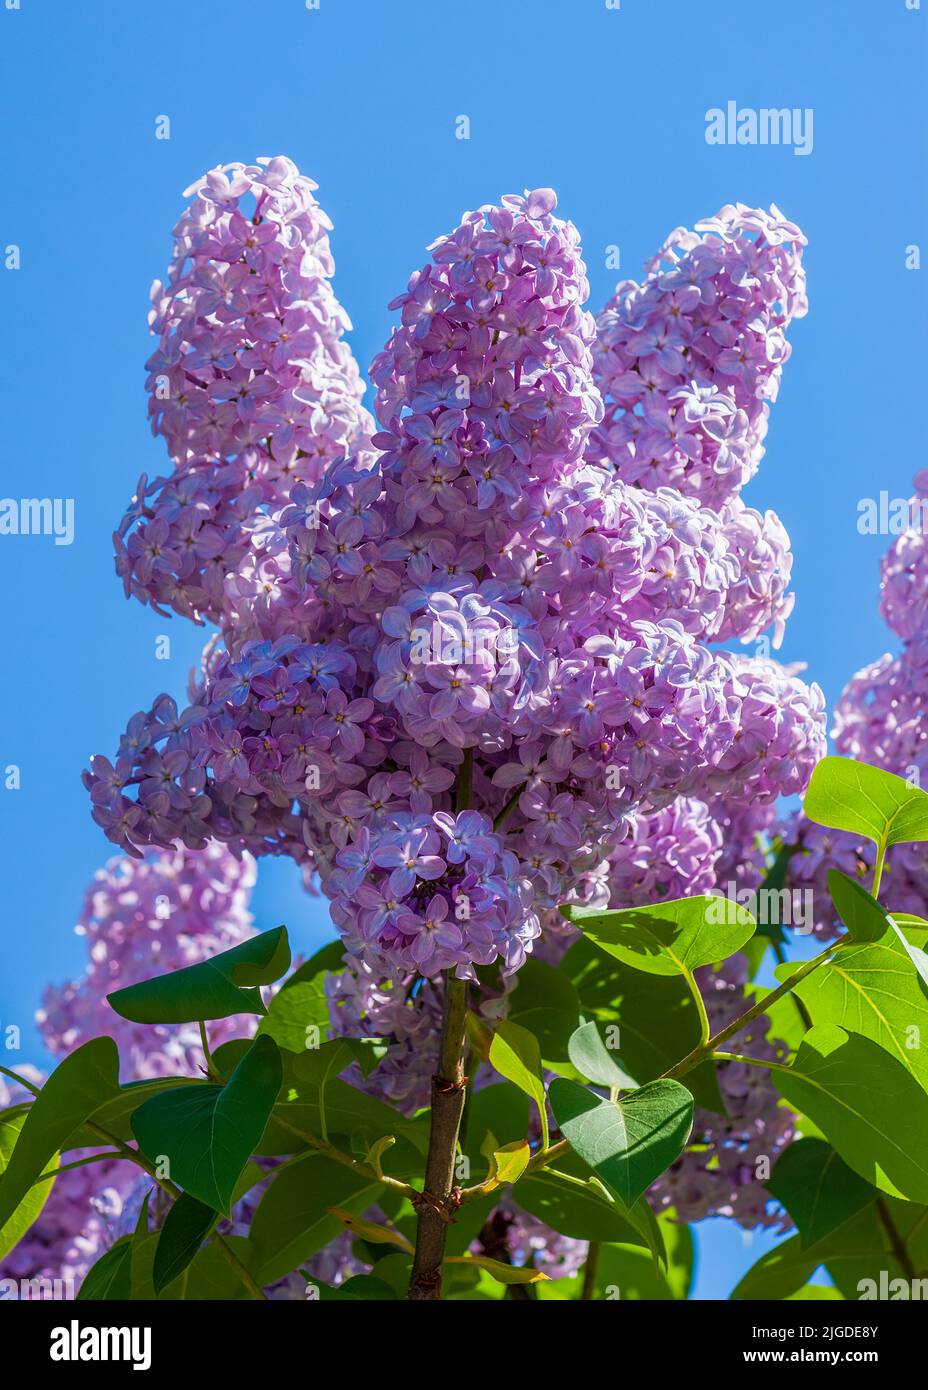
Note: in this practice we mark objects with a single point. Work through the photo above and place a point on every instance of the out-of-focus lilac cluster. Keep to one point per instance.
(145, 917)
(463, 658)
(880, 719)
(141, 917)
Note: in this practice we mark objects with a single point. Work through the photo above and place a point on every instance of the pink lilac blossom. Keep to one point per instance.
(688, 360)
(252, 385)
(484, 602)
(879, 719)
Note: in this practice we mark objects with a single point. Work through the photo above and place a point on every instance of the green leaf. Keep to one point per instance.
(30, 1208)
(611, 992)
(863, 916)
(867, 1105)
(582, 1212)
(293, 1220)
(111, 1277)
(858, 1250)
(368, 1052)
(348, 1112)
(511, 1161)
(669, 938)
(545, 1002)
(593, 1059)
(209, 1278)
(629, 1273)
(630, 1141)
(787, 1024)
(210, 1133)
(297, 1018)
(847, 795)
(186, 1227)
(502, 1273)
(74, 1094)
(371, 1232)
(914, 929)
(216, 988)
(515, 1054)
(873, 989)
(680, 1253)
(328, 960)
(817, 1188)
(115, 1115)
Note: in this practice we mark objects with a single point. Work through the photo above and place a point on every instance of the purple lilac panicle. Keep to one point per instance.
(486, 589)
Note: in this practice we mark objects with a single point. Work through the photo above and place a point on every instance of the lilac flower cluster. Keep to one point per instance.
(463, 659)
(251, 386)
(361, 1004)
(688, 359)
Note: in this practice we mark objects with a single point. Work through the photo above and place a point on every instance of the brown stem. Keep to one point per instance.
(494, 1242)
(589, 1272)
(897, 1244)
(438, 1201)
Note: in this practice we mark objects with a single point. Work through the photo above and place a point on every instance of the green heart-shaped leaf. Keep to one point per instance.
(216, 988)
(628, 1142)
(613, 992)
(817, 1188)
(515, 1054)
(873, 988)
(863, 916)
(294, 1217)
(110, 1279)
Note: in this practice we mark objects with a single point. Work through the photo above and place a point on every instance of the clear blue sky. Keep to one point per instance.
(607, 106)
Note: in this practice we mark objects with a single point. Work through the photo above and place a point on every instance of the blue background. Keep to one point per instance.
(606, 106)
